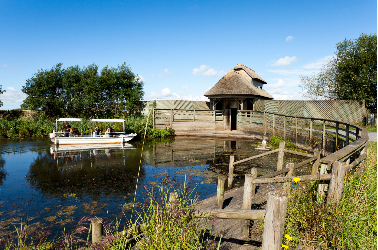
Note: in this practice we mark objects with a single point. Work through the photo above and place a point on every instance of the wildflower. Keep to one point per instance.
(285, 246)
(296, 179)
(288, 237)
(288, 196)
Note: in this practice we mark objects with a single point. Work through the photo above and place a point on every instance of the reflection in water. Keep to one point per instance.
(60, 185)
(3, 173)
(91, 171)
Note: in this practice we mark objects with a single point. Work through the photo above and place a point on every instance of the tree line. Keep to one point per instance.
(350, 75)
(84, 92)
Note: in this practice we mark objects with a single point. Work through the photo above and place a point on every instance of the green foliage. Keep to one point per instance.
(350, 75)
(352, 224)
(275, 142)
(84, 92)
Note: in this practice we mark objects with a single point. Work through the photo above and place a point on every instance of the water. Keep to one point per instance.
(49, 185)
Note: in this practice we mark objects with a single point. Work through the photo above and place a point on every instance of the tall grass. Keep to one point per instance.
(352, 224)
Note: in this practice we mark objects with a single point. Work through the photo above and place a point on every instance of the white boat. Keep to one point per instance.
(115, 137)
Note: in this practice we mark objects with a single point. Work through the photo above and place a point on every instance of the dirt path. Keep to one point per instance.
(229, 230)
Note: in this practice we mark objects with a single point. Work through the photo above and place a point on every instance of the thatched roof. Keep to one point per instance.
(238, 82)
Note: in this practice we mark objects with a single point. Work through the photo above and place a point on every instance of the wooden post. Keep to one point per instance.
(347, 134)
(296, 130)
(280, 155)
(215, 118)
(274, 122)
(247, 200)
(153, 118)
(172, 201)
(324, 139)
(287, 185)
(357, 133)
(248, 192)
(97, 229)
(337, 135)
(284, 127)
(310, 131)
(274, 221)
(265, 123)
(336, 184)
(171, 118)
(220, 192)
(322, 187)
(250, 117)
(315, 166)
(194, 115)
(254, 176)
(231, 171)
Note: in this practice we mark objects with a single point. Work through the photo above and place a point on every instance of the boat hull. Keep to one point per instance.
(92, 140)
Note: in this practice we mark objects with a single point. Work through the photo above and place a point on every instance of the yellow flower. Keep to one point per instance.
(285, 246)
(296, 179)
(288, 196)
(288, 237)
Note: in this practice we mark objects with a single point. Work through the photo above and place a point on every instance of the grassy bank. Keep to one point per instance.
(350, 225)
(42, 126)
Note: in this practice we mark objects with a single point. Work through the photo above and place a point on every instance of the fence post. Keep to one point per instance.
(97, 229)
(315, 166)
(250, 117)
(296, 131)
(171, 117)
(324, 138)
(280, 155)
(284, 127)
(287, 185)
(337, 135)
(310, 130)
(274, 123)
(153, 118)
(265, 122)
(231, 171)
(220, 191)
(194, 115)
(274, 221)
(336, 184)
(322, 187)
(215, 118)
(172, 201)
(247, 200)
(254, 174)
(347, 134)
(357, 133)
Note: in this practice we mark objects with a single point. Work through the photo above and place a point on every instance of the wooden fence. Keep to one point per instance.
(330, 169)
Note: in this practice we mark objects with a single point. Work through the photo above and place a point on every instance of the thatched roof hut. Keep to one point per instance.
(241, 82)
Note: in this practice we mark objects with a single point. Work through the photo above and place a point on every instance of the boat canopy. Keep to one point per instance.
(69, 120)
(107, 120)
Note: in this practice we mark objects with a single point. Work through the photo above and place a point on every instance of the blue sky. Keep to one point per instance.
(179, 48)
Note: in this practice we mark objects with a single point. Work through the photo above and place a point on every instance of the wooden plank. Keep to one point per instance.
(318, 177)
(315, 166)
(230, 214)
(256, 156)
(297, 153)
(231, 171)
(220, 192)
(336, 184)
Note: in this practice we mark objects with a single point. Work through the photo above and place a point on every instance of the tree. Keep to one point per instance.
(1, 92)
(84, 92)
(350, 75)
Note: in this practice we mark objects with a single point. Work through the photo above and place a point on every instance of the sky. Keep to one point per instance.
(180, 49)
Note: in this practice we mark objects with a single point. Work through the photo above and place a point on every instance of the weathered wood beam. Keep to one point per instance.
(230, 214)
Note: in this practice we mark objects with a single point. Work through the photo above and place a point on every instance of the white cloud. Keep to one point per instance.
(205, 70)
(289, 38)
(185, 87)
(166, 92)
(319, 63)
(140, 78)
(167, 71)
(9, 69)
(287, 60)
(195, 98)
(12, 99)
(279, 84)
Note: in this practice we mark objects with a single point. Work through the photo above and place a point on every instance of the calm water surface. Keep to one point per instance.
(49, 185)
